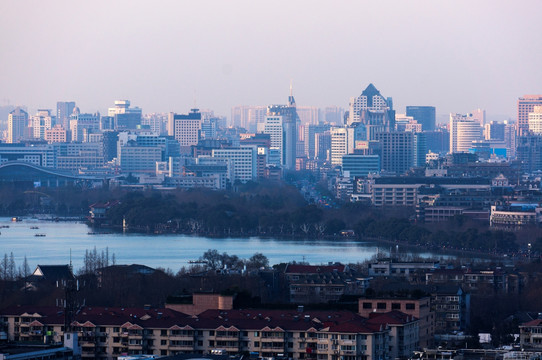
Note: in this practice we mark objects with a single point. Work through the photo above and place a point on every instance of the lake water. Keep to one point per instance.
(168, 251)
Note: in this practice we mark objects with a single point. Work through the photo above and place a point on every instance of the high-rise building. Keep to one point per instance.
(126, 117)
(464, 129)
(342, 143)
(526, 105)
(273, 128)
(17, 125)
(64, 110)
(288, 114)
(479, 115)
(535, 120)
(186, 129)
(397, 151)
(41, 121)
(308, 114)
(373, 110)
(424, 115)
(333, 115)
(322, 146)
(494, 130)
(81, 125)
(310, 138)
(247, 117)
(529, 152)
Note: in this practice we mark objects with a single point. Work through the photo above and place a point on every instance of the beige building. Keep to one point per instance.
(57, 134)
(419, 308)
(17, 125)
(106, 333)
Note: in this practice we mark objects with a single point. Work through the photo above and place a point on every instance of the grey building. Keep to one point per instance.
(425, 115)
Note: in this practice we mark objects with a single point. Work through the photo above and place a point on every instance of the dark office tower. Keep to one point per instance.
(64, 109)
(420, 149)
(425, 115)
(397, 151)
(110, 139)
(529, 152)
(437, 141)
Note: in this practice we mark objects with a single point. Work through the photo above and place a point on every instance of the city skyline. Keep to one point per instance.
(171, 56)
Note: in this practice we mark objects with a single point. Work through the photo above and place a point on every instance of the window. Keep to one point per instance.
(367, 305)
(163, 342)
(410, 306)
(381, 306)
(396, 306)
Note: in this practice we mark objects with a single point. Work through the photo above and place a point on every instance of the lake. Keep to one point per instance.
(167, 251)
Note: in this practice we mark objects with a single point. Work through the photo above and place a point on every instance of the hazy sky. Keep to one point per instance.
(455, 55)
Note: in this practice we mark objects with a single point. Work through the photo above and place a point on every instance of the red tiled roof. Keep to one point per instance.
(535, 322)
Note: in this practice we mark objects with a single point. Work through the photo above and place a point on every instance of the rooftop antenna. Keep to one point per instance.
(291, 92)
(71, 266)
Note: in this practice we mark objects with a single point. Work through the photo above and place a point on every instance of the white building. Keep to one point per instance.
(342, 143)
(241, 162)
(40, 122)
(273, 127)
(535, 120)
(464, 129)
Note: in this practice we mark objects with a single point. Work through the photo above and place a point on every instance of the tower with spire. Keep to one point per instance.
(373, 110)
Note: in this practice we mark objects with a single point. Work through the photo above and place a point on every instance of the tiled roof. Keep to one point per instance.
(535, 322)
(258, 319)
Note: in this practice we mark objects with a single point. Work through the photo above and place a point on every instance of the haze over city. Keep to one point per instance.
(170, 55)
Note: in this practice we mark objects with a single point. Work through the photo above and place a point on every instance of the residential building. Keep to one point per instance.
(526, 105)
(424, 115)
(530, 335)
(452, 309)
(106, 333)
(391, 267)
(17, 125)
(40, 122)
(420, 308)
(57, 134)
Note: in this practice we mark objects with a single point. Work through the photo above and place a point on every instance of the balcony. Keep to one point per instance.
(348, 352)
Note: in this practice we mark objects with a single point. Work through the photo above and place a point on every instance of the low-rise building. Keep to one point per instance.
(530, 334)
(107, 333)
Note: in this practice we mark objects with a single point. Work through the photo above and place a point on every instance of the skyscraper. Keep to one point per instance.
(526, 105)
(535, 120)
(17, 125)
(464, 129)
(64, 109)
(425, 115)
(186, 129)
(126, 117)
(288, 113)
(397, 151)
(373, 110)
(41, 121)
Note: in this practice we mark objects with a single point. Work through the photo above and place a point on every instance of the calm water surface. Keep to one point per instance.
(168, 251)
